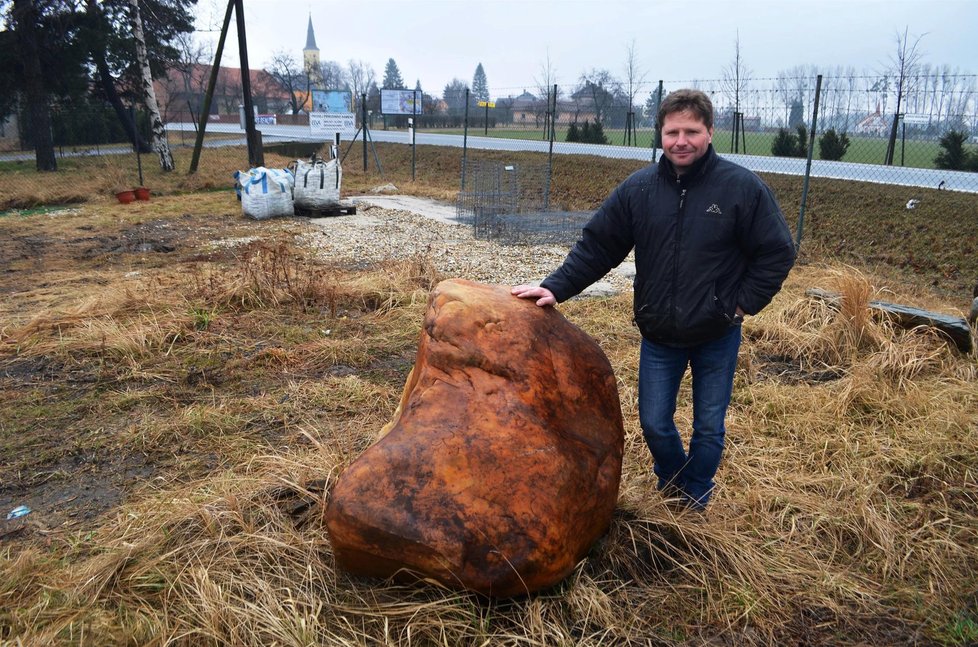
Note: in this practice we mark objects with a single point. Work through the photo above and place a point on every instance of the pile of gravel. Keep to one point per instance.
(376, 234)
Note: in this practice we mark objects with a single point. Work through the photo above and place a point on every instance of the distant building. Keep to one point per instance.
(873, 124)
(182, 90)
(527, 108)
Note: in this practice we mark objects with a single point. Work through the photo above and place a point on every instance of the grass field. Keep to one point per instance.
(865, 150)
(176, 410)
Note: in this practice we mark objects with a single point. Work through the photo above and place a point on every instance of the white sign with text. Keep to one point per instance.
(330, 123)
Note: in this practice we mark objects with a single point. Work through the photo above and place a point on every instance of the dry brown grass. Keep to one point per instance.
(253, 375)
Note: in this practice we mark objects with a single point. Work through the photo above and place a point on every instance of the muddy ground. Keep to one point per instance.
(68, 454)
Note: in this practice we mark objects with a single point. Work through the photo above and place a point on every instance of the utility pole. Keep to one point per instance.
(209, 94)
(256, 156)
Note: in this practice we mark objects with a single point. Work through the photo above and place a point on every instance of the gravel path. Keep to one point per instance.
(377, 233)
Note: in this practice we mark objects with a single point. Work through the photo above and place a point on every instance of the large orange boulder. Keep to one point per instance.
(501, 466)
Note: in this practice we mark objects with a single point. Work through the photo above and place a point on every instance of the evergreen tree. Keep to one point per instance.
(802, 149)
(572, 134)
(587, 133)
(785, 143)
(480, 85)
(832, 146)
(953, 156)
(652, 103)
(392, 77)
(597, 134)
(373, 97)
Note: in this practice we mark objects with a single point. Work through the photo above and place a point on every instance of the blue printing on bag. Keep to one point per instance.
(263, 178)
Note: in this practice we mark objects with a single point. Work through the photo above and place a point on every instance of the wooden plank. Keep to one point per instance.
(956, 328)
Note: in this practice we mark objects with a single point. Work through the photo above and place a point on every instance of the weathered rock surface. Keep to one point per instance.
(501, 466)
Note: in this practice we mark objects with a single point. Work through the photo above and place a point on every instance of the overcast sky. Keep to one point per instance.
(435, 41)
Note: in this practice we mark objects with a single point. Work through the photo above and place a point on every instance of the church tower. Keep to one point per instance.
(310, 57)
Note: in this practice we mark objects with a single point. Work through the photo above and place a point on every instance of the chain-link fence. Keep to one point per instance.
(857, 133)
(844, 127)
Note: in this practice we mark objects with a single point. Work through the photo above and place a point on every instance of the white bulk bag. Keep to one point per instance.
(317, 183)
(266, 192)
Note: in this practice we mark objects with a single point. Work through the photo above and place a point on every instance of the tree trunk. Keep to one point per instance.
(97, 52)
(149, 94)
(124, 115)
(26, 17)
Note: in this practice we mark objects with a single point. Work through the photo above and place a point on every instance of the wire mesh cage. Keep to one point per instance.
(536, 227)
(489, 186)
(510, 203)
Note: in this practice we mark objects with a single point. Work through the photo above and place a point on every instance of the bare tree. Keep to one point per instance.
(546, 82)
(961, 96)
(852, 82)
(333, 76)
(160, 144)
(292, 78)
(361, 77)
(736, 77)
(785, 91)
(183, 88)
(547, 78)
(601, 90)
(904, 65)
(228, 87)
(634, 78)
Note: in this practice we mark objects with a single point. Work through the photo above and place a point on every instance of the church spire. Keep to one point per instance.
(310, 35)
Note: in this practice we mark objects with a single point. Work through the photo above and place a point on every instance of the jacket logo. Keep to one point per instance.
(714, 208)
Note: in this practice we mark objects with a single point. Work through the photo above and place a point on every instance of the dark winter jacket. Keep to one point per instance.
(705, 242)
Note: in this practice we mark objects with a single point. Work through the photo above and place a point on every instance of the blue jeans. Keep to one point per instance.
(661, 369)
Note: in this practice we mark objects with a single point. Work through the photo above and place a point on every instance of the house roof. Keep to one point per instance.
(262, 83)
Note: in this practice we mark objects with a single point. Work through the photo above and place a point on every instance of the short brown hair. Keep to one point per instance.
(689, 99)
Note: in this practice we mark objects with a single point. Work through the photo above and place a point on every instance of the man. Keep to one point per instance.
(711, 245)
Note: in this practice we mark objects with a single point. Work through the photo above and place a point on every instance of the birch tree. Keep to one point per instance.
(160, 144)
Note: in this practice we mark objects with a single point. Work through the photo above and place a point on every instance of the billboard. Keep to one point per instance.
(400, 102)
(332, 101)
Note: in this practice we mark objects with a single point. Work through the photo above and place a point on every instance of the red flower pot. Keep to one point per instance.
(142, 193)
(125, 197)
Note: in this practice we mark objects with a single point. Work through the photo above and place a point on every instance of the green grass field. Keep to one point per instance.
(863, 150)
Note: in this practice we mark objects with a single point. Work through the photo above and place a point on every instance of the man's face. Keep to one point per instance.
(685, 139)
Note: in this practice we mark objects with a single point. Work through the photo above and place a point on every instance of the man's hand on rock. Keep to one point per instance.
(543, 296)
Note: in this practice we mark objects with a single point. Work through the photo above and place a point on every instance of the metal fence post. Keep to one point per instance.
(363, 121)
(657, 140)
(550, 154)
(414, 134)
(465, 137)
(808, 164)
